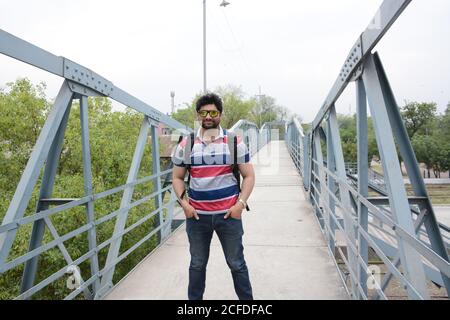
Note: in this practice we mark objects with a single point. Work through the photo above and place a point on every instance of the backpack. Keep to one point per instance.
(232, 146)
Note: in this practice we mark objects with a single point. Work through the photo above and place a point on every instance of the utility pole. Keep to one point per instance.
(223, 4)
(172, 96)
(204, 46)
(260, 105)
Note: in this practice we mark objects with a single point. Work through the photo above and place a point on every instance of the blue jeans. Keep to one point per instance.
(230, 233)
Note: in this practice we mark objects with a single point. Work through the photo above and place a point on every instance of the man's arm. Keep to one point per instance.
(178, 174)
(248, 182)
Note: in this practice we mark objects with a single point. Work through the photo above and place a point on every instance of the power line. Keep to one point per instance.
(235, 67)
(241, 54)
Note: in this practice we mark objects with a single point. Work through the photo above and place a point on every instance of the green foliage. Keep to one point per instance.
(347, 130)
(23, 110)
(418, 117)
(237, 106)
(187, 115)
(432, 146)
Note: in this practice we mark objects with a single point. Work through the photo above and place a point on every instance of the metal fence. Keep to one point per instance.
(399, 230)
(79, 84)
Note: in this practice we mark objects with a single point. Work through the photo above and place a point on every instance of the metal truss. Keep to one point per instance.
(402, 230)
(80, 83)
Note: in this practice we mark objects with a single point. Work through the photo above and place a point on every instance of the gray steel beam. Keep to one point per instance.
(88, 191)
(387, 278)
(387, 14)
(390, 251)
(331, 165)
(32, 170)
(324, 197)
(307, 161)
(114, 248)
(314, 178)
(156, 166)
(384, 201)
(349, 221)
(87, 293)
(46, 190)
(363, 178)
(398, 199)
(412, 168)
(24, 51)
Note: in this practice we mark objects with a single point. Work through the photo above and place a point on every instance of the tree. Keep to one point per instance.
(441, 158)
(23, 110)
(441, 133)
(186, 115)
(418, 116)
(265, 110)
(426, 148)
(235, 105)
(445, 122)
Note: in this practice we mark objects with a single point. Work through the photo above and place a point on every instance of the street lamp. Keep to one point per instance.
(172, 96)
(223, 4)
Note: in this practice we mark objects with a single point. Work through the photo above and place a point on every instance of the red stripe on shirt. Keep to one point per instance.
(238, 139)
(183, 142)
(214, 205)
(213, 171)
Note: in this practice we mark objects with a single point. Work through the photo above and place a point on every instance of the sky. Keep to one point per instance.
(292, 49)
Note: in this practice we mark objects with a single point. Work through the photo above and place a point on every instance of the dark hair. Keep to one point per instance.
(209, 98)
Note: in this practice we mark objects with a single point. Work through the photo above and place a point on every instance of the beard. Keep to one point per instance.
(211, 125)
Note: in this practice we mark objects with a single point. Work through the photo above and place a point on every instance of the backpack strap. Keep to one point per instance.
(232, 146)
(187, 156)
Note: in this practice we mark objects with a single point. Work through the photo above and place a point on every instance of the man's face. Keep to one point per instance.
(209, 121)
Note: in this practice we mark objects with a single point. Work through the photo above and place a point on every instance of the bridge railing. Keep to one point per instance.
(297, 144)
(399, 230)
(95, 280)
(250, 134)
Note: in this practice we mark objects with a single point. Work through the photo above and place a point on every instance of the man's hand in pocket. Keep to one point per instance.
(235, 212)
(189, 211)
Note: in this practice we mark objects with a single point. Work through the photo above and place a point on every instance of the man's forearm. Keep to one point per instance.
(247, 187)
(179, 188)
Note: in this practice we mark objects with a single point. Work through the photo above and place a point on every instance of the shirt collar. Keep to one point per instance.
(221, 133)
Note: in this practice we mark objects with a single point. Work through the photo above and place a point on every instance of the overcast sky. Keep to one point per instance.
(292, 49)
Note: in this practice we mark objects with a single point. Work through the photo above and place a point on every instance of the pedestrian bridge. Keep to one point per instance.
(319, 228)
(286, 253)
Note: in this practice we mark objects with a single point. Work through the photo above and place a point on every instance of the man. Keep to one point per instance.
(214, 202)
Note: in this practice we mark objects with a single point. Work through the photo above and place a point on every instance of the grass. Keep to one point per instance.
(439, 193)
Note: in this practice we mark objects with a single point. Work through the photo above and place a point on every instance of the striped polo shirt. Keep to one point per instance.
(213, 188)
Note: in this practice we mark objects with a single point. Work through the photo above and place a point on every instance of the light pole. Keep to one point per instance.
(223, 4)
(260, 96)
(204, 46)
(172, 96)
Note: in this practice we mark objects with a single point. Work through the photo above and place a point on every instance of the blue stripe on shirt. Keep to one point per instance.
(214, 194)
(219, 159)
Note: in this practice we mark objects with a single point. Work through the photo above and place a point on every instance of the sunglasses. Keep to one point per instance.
(212, 113)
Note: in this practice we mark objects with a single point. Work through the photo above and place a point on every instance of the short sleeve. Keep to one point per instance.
(243, 155)
(178, 154)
